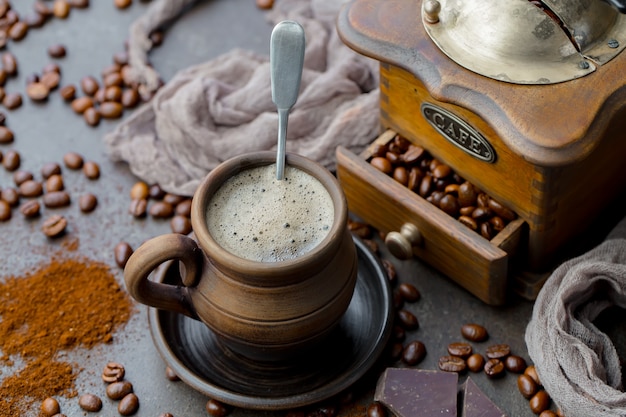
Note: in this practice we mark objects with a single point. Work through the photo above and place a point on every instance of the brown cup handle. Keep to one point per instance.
(150, 255)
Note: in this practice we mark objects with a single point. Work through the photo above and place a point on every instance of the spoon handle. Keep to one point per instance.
(286, 61)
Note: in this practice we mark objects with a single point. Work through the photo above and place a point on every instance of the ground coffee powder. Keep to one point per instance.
(60, 306)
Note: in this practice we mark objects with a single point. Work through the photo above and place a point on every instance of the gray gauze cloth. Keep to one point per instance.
(223, 108)
(576, 362)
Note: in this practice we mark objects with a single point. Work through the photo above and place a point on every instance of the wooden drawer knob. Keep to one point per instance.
(401, 243)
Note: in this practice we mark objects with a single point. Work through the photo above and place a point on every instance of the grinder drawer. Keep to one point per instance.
(417, 227)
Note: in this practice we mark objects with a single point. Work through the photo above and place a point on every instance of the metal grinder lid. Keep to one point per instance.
(526, 41)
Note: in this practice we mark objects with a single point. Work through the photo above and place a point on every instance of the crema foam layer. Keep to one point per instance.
(257, 217)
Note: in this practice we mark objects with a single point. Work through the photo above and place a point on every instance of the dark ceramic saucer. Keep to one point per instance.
(199, 359)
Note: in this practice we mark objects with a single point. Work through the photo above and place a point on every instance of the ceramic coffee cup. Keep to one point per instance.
(263, 310)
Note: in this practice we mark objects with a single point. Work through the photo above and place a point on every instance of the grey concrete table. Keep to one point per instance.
(45, 132)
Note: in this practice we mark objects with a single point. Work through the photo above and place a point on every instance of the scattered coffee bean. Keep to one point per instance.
(10, 196)
(531, 371)
(452, 364)
(409, 292)
(139, 190)
(11, 160)
(138, 208)
(91, 170)
(399, 334)
(68, 92)
(166, 415)
(180, 224)
(57, 50)
(413, 353)
(90, 402)
(73, 160)
(113, 372)
(407, 319)
(18, 31)
(548, 413)
(87, 202)
(56, 199)
(527, 386)
(6, 135)
(12, 101)
(30, 208)
(31, 189)
(51, 67)
(390, 269)
(494, 368)
(79, 4)
(51, 79)
(122, 4)
(128, 405)
(171, 375)
(515, 364)
(498, 351)
(21, 176)
(37, 91)
(92, 116)
(9, 63)
(5, 211)
(80, 104)
(156, 192)
(382, 164)
(475, 362)
(54, 225)
(539, 402)
(50, 407)
(118, 390)
(173, 199)
(216, 408)
(122, 252)
(111, 110)
(55, 183)
(184, 208)
(161, 210)
(49, 169)
(375, 409)
(130, 98)
(460, 349)
(113, 93)
(89, 85)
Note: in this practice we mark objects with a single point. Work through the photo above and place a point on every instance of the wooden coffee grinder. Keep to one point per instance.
(525, 99)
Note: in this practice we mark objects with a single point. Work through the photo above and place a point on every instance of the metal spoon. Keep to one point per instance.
(286, 60)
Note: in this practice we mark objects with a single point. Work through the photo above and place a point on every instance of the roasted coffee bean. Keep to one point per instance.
(515, 364)
(68, 92)
(138, 208)
(531, 371)
(113, 93)
(50, 407)
(166, 415)
(120, 58)
(91, 170)
(79, 4)
(539, 402)
(3, 77)
(398, 333)
(498, 351)
(156, 192)
(173, 199)
(460, 349)
(11, 160)
(56, 199)
(9, 63)
(6, 135)
(382, 164)
(449, 205)
(161, 210)
(452, 364)
(409, 292)
(475, 362)
(390, 269)
(548, 413)
(171, 375)
(111, 110)
(130, 98)
(51, 79)
(90, 402)
(80, 104)
(55, 183)
(216, 408)
(34, 20)
(122, 4)
(497, 223)
(494, 368)
(393, 158)
(51, 67)
(184, 208)
(407, 319)
(395, 351)
(375, 409)
(486, 230)
(61, 9)
(32, 78)
(73, 160)
(413, 154)
(122, 252)
(37, 91)
(12, 101)
(360, 229)
(87, 203)
(481, 214)
(401, 175)
(54, 225)
(426, 186)
(18, 31)
(119, 389)
(42, 8)
(99, 96)
(5, 211)
(57, 50)
(469, 222)
(113, 372)
(413, 353)
(30, 208)
(180, 224)
(49, 169)
(21, 176)
(114, 79)
(89, 85)
(527, 386)
(139, 190)
(441, 171)
(10, 196)
(92, 116)
(500, 210)
(474, 332)
(128, 405)
(31, 188)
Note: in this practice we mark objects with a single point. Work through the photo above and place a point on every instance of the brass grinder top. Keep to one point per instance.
(526, 41)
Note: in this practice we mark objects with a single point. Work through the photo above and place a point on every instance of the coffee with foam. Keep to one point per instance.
(257, 217)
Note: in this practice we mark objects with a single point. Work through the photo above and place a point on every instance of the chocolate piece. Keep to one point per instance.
(477, 404)
(418, 393)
